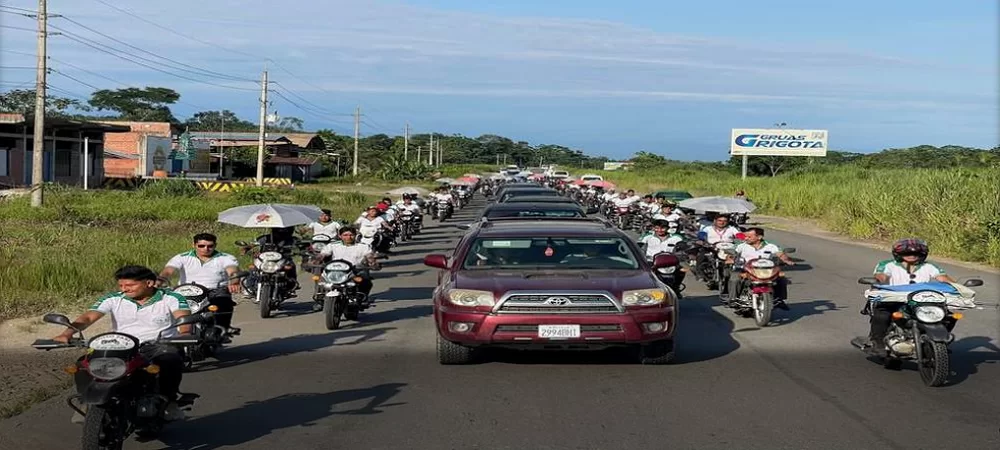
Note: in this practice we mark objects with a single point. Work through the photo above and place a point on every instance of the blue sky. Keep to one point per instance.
(610, 78)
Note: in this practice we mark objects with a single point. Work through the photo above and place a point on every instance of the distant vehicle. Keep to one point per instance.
(525, 192)
(519, 187)
(674, 196)
(591, 177)
(551, 284)
(527, 210)
(536, 170)
(559, 174)
(510, 170)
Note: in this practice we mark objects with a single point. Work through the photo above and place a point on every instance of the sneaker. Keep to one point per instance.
(173, 412)
(780, 304)
(77, 418)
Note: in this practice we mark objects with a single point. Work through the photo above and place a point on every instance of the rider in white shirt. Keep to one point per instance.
(753, 247)
(371, 218)
(356, 253)
(624, 201)
(649, 204)
(720, 231)
(609, 196)
(325, 225)
(667, 213)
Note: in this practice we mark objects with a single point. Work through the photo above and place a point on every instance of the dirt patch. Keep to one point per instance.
(30, 376)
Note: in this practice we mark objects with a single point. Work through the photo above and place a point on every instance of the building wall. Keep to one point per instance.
(129, 143)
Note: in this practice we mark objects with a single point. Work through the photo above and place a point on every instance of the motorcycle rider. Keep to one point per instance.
(354, 252)
(443, 194)
(720, 231)
(284, 239)
(142, 310)
(908, 266)
(210, 268)
(625, 199)
(663, 238)
(325, 225)
(754, 246)
(649, 204)
(667, 213)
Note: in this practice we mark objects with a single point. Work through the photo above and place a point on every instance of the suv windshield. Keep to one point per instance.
(608, 253)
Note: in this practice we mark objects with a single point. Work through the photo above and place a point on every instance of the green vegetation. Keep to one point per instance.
(949, 196)
(61, 255)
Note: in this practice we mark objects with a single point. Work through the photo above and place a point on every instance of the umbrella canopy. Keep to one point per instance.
(408, 190)
(462, 183)
(724, 205)
(270, 215)
(444, 180)
(579, 182)
(536, 176)
(601, 184)
(472, 175)
(469, 180)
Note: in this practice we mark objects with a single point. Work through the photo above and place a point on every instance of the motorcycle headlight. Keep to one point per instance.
(318, 246)
(667, 270)
(189, 290)
(268, 266)
(335, 277)
(930, 314)
(467, 297)
(763, 273)
(107, 368)
(644, 297)
(197, 306)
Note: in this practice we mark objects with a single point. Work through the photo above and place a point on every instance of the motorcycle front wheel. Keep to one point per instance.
(934, 363)
(100, 431)
(332, 312)
(264, 291)
(762, 307)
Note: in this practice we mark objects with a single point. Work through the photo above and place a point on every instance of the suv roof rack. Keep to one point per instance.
(486, 222)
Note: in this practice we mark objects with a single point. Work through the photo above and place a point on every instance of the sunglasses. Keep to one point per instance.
(206, 245)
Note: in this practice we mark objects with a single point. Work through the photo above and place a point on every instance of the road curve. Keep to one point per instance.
(376, 384)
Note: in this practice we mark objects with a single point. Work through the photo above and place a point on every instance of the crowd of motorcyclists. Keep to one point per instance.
(735, 260)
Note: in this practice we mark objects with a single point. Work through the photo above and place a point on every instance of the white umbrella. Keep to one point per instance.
(444, 180)
(461, 183)
(270, 215)
(408, 190)
(724, 205)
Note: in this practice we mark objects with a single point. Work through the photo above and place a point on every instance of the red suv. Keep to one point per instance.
(551, 283)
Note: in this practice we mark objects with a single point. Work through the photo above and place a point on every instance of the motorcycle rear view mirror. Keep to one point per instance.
(57, 319)
(242, 243)
(974, 282)
(867, 280)
(189, 319)
(788, 250)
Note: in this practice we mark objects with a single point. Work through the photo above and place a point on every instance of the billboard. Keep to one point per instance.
(155, 154)
(777, 142)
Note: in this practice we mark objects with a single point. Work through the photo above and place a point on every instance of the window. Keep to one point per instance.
(4, 162)
(64, 163)
(551, 253)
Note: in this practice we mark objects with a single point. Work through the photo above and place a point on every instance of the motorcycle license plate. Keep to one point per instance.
(558, 331)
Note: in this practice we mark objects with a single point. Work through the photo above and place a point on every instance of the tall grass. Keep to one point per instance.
(62, 255)
(956, 210)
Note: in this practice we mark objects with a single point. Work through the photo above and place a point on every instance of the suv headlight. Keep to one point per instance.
(467, 297)
(644, 297)
(930, 314)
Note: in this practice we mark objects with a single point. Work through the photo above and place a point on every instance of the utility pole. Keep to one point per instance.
(406, 141)
(357, 133)
(38, 137)
(263, 129)
(430, 152)
(440, 153)
(418, 153)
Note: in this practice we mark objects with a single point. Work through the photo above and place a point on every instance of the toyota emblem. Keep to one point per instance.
(557, 301)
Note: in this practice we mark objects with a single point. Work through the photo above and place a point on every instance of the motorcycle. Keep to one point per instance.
(408, 225)
(921, 327)
(711, 265)
(116, 384)
(669, 275)
(337, 292)
(443, 210)
(752, 293)
(267, 281)
(211, 336)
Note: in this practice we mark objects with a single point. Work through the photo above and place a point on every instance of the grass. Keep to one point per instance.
(36, 395)
(61, 255)
(957, 211)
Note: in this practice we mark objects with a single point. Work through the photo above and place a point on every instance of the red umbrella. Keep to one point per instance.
(602, 184)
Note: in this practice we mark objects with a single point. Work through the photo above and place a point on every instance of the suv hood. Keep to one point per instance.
(501, 281)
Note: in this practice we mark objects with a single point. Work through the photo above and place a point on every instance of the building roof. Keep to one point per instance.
(61, 123)
(306, 140)
(291, 161)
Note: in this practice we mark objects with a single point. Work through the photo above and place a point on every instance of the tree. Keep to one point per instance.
(22, 101)
(219, 120)
(146, 104)
(289, 125)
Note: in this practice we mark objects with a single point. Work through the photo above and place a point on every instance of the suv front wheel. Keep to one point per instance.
(656, 353)
(451, 353)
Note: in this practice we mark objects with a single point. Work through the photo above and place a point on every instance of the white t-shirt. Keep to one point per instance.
(446, 197)
(652, 207)
(412, 207)
(715, 236)
(377, 222)
(210, 274)
(898, 274)
(656, 245)
(144, 322)
(624, 202)
(353, 254)
(329, 229)
(672, 217)
(608, 196)
(747, 252)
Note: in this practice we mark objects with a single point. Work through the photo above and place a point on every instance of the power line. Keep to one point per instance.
(19, 28)
(75, 38)
(76, 79)
(19, 9)
(195, 68)
(319, 108)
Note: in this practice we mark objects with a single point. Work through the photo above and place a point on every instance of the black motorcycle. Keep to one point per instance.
(269, 281)
(337, 291)
(211, 335)
(117, 385)
(408, 225)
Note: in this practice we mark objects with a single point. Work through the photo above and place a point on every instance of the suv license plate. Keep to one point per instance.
(558, 331)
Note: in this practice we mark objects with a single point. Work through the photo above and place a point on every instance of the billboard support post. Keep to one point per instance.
(745, 166)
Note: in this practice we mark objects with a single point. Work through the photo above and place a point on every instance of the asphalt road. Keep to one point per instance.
(798, 384)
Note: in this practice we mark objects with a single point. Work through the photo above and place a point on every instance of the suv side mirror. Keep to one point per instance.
(463, 226)
(438, 261)
(867, 280)
(975, 282)
(665, 260)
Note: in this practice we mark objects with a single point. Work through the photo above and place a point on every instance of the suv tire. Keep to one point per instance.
(451, 353)
(656, 353)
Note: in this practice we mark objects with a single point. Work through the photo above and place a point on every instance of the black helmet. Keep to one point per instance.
(910, 246)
